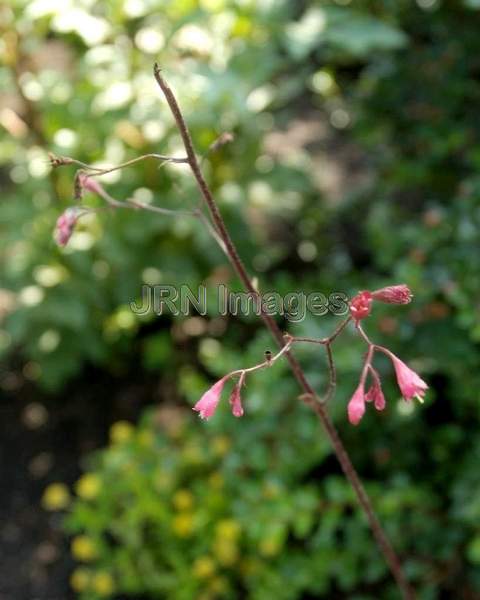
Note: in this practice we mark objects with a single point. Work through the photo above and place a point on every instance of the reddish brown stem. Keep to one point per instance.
(383, 542)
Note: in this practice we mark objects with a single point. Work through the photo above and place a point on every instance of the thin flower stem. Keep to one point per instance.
(66, 160)
(332, 385)
(263, 364)
(197, 213)
(363, 335)
(324, 341)
(368, 364)
(382, 540)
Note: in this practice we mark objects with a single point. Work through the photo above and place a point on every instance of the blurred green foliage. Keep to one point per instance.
(397, 82)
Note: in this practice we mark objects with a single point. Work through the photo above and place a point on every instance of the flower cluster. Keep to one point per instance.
(207, 405)
(411, 385)
(361, 304)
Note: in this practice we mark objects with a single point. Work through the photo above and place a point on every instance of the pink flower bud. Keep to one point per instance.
(361, 305)
(235, 398)
(394, 294)
(411, 385)
(375, 393)
(356, 406)
(207, 405)
(65, 225)
(91, 185)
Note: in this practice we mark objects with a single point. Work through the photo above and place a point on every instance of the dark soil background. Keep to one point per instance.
(45, 439)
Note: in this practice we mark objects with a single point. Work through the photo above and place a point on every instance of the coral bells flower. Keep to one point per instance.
(207, 405)
(394, 294)
(375, 393)
(411, 385)
(235, 398)
(361, 305)
(89, 184)
(356, 406)
(65, 225)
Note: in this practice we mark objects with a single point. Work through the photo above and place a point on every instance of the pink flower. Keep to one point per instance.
(208, 403)
(361, 305)
(356, 406)
(375, 393)
(394, 294)
(89, 184)
(235, 398)
(65, 225)
(410, 384)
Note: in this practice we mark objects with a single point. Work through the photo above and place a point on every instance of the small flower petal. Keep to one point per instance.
(356, 406)
(361, 305)
(65, 225)
(235, 398)
(375, 393)
(411, 385)
(394, 294)
(208, 403)
(90, 184)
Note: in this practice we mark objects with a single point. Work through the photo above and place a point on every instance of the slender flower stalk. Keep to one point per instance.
(319, 408)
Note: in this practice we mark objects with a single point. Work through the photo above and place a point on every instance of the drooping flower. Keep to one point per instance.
(90, 184)
(65, 225)
(356, 406)
(361, 305)
(208, 403)
(235, 398)
(394, 294)
(375, 393)
(411, 385)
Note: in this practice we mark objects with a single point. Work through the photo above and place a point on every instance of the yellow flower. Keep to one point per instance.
(56, 497)
(228, 529)
(79, 579)
(83, 548)
(183, 500)
(204, 567)
(221, 445)
(103, 584)
(121, 432)
(182, 525)
(88, 486)
(226, 552)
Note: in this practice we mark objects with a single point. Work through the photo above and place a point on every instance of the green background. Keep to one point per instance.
(355, 164)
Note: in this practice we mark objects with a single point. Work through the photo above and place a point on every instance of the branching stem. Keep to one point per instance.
(319, 408)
